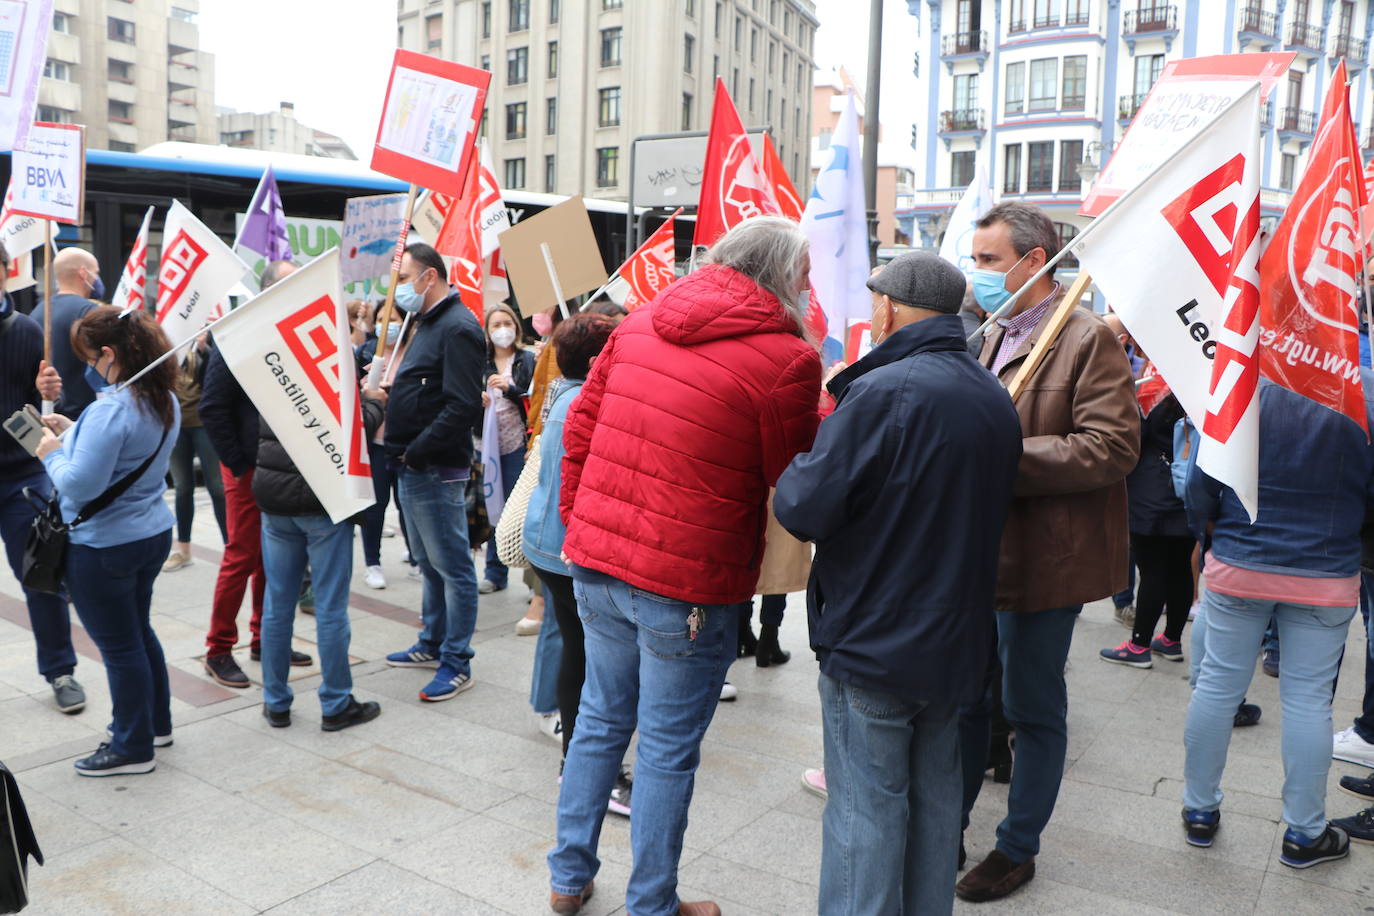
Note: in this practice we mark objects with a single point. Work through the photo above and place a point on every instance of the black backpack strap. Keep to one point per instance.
(116, 489)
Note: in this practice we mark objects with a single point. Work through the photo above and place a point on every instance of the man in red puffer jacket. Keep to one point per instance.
(689, 415)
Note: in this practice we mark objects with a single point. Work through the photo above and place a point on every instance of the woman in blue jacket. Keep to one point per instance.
(114, 556)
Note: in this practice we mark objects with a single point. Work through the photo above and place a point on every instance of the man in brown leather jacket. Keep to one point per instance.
(1066, 534)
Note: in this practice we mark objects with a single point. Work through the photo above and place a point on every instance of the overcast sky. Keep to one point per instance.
(331, 58)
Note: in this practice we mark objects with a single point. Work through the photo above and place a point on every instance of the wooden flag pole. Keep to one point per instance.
(374, 375)
(553, 278)
(48, 292)
(1049, 336)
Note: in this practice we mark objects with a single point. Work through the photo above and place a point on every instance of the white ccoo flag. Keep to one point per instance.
(1178, 259)
(289, 349)
(195, 272)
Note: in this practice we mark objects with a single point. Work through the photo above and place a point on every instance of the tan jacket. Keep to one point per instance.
(1066, 536)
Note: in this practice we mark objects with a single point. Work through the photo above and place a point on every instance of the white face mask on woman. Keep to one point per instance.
(503, 337)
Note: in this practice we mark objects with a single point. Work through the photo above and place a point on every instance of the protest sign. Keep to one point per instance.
(49, 173)
(430, 213)
(565, 232)
(290, 352)
(196, 271)
(429, 121)
(18, 233)
(24, 28)
(1189, 94)
(370, 228)
(130, 294)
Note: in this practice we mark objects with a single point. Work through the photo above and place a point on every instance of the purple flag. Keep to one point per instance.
(264, 226)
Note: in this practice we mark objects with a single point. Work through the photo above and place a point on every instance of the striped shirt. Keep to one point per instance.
(1018, 328)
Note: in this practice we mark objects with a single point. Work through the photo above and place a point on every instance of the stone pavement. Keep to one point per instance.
(449, 807)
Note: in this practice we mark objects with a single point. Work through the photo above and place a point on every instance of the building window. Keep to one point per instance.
(57, 70)
(60, 22)
(768, 106)
(966, 92)
(734, 83)
(180, 14)
(782, 115)
(519, 16)
(720, 14)
(551, 116)
(121, 30)
(610, 47)
(515, 121)
(612, 4)
(1076, 11)
(553, 12)
(1070, 155)
(786, 21)
(607, 166)
(800, 72)
(434, 33)
(608, 107)
(550, 174)
(1067, 233)
(553, 59)
(1043, 88)
(1286, 169)
(517, 66)
(515, 173)
(686, 111)
(691, 8)
(754, 44)
(689, 52)
(1040, 174)
(715, 65)
(751, 93)
(786, 62)
(1016, 88)
(486, 18)
(1046, 13)
(1075, 81)
(119, 146)
(121, 112)
(482, 128)
(961, 169)
(53, 115)
(1147, 70)
(485, 62)
(120, 71)
(739, 33)
(772, 56)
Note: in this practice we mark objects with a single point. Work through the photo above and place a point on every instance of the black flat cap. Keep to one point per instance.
(922, 279)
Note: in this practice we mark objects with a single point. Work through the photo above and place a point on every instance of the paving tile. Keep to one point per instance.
(1283, 895)
(427, 778)
(123, 802)
(59, 830)
(1045, 895)
(233, 757)
(730, 883)
(31, 723)
(783, 844)
(406, 894)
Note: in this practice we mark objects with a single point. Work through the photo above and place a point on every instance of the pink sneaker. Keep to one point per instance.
(1128, 653)
(813, 781)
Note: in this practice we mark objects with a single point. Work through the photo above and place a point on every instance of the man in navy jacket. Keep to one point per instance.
(905, 494)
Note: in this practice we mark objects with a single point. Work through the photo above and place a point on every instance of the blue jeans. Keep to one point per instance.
(512, 464)
(1364, 725)
(548, 652)
(643, 667)
(194, 442)
(1312, 639)
(437, 521)
(374, 516)
(112, 590)
(48, 614)
(1033, 648)
(1125, 599)
(891, 826)
(289, 542)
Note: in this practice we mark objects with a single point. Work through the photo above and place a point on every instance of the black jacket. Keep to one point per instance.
(436, 398)
(21, 350)
(280, 489)
(1155, 507)
(521, 374)
(228, 415)
(905, 494)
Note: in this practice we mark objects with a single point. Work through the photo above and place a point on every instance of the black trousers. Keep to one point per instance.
(1166, 585)
(572, 669)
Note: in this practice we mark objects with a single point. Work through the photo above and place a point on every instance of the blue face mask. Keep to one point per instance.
(407, 299)
(95, 379)
(393, 333)
(990, 287)
(98, 289)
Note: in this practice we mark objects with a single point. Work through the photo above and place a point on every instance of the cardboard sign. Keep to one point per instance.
(429, 121)
(24, 28)
(1189, 95)
(368, 241)
(50, 173)
(567, 230)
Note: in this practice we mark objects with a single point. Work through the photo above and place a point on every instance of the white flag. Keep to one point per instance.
(957, 245)
(20, 233)
(289, 349)
(1178, 259)
(131, 293)
(836, 222)
(493, 487)
(195, 272)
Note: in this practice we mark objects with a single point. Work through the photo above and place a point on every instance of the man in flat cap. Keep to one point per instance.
(905, 494)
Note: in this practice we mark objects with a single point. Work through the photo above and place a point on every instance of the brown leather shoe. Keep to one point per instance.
(570, 904)
(700, 908)
(994, 878)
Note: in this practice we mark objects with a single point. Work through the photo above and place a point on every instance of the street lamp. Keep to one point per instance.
(1088, 169)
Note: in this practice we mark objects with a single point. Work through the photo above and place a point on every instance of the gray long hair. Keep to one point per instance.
(769, 251)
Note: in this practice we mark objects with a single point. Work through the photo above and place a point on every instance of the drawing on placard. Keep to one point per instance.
(427, 117)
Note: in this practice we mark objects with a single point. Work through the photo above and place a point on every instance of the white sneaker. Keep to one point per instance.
(526, 626)
(405, 556)
(374, 578)
(1350, 747)
(551, 724)
(388, 531)
(728, 692)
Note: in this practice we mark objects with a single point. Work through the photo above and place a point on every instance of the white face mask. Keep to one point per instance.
(503, 337)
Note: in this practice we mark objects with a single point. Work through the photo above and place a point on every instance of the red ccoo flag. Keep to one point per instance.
(1309, 311)
(650, 269)
(733, 186)
(784, 191)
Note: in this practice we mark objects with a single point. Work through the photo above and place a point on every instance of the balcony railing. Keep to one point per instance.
(1351, 48)
(1076, 17)
(962, 119)
(1297, 121)
(1047, 21)
(1260, 21)
(964, 43)
(1016, 25)
(1128, 105)
(1151, 19)
(1302, 35)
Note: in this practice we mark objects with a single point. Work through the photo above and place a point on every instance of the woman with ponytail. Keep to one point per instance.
(120, 448)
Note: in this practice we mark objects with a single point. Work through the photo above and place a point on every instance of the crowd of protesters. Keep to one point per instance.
(680, 461)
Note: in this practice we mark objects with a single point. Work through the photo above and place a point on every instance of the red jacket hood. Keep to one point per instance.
(717, 302)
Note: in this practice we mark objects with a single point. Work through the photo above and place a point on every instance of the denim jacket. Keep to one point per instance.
(544, 528)
(1316, 482)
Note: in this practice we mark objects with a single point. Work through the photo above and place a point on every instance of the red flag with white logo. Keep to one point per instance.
(130, 295)
(1310, 271)
(733, 186)
(784, 191)
(650, 269)
(470, 235)
(1198, 320)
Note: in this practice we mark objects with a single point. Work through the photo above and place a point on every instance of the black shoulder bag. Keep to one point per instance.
(17, 845)
(45, 551)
